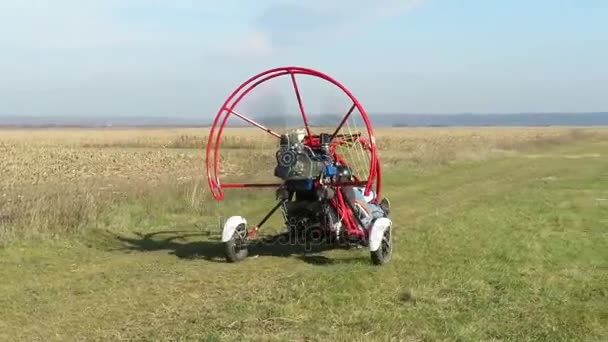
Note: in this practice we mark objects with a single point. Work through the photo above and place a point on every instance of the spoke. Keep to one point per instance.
(350, 111)
(268, 130)
(295, 88)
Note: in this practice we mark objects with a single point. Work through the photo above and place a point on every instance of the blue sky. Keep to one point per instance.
(182, 58)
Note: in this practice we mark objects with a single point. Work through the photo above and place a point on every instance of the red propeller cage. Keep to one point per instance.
(227, 109)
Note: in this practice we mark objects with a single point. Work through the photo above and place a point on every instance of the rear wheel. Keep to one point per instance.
(384, 253)
(236, 248)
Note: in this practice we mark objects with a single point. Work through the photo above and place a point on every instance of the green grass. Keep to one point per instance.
(513, 248)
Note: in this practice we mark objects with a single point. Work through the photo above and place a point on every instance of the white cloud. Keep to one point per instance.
(251, 44)
(313, 21)
(267, 26)
(64, 24)
(281, 24)
(137, 56)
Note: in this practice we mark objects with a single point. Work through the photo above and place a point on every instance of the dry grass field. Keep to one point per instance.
(48, 175)
(503, 239)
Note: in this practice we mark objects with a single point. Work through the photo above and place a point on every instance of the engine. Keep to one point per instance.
(299, 166)
(296, 161)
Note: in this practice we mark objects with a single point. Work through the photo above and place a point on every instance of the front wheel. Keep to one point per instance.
(383, 254)
(236, 248)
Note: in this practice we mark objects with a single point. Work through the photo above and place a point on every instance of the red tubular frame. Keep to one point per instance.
(227, 109)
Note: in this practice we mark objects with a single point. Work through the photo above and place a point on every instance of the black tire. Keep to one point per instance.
(384, 253)
(236, 248)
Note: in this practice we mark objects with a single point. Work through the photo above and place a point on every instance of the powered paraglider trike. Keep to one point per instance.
(321, 184)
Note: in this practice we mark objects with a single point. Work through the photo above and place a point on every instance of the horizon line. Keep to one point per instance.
(320, 113)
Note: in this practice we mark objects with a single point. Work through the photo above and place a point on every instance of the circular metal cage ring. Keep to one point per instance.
(227, 109)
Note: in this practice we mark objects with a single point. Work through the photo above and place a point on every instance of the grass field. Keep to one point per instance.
(500, 235)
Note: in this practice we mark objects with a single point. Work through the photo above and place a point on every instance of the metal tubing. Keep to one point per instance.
(270, 213)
